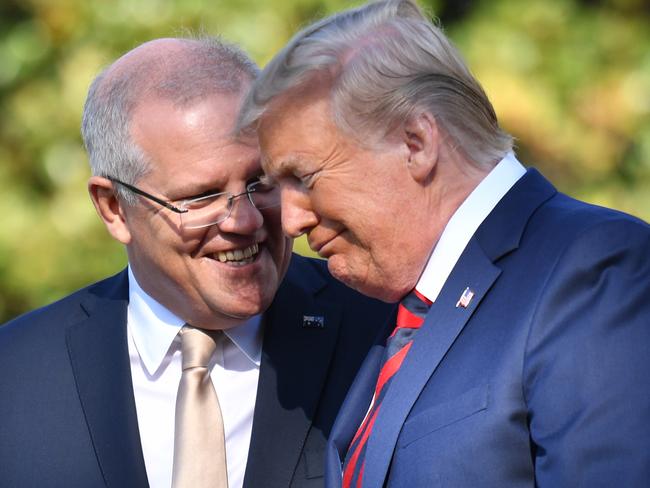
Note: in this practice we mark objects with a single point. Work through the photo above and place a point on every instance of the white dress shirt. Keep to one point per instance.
(464, 223)
(154, 350)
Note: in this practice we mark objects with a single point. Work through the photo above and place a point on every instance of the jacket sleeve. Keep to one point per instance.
(587, 366)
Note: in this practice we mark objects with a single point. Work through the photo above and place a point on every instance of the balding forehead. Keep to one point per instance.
(181, 70)
(148, 62)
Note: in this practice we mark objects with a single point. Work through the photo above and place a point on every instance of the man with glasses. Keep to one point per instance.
(97, 389)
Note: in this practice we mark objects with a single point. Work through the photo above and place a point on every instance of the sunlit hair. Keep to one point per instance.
(189, 70)
(384, 62)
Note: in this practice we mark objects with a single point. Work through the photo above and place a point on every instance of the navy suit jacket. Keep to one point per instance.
(542, 380)
(67, 412)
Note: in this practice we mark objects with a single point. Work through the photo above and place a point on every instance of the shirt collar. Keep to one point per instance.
(464, 223)
(153, 329)
(248, 338)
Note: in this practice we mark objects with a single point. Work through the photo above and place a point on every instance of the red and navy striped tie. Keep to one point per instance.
(410, 317)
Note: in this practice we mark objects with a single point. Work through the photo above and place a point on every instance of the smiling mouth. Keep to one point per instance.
(238, 256)
(319, 247)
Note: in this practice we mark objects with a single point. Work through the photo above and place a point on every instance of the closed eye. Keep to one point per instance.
(207, 193)
(308, 180)
(263, 179)
(187, 193)
(203, 199)
(262, 185)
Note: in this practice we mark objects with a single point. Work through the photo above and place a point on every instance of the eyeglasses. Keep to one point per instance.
(213, 208)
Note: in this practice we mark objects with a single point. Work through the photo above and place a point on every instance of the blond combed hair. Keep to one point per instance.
(385, 61)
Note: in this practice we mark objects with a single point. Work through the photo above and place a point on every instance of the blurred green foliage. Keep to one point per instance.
(569, 79)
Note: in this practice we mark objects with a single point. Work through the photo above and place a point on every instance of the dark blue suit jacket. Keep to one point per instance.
(543, 380)
(67, 413)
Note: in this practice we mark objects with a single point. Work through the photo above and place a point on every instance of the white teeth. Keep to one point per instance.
(242, 256)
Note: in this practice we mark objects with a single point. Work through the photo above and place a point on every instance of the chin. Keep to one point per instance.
(252, 304)
(381, 289)
(355, 282)
(245, 312)
(340, 271)
(380, 292)
(227, 319)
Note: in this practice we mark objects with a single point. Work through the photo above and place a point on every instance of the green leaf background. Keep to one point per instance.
(569, 79)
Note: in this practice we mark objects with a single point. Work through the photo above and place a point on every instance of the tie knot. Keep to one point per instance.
(197, 346)
(412, 310)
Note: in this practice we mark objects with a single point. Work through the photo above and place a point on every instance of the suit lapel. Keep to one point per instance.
(99, 357)
(499, 234)
(351, 414)
(295, 360)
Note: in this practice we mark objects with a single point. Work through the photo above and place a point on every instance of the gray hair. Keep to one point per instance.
(182, 71)
(385, 61)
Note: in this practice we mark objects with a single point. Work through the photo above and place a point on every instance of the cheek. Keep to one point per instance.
(288, 248)
(191, 239)
(281, 255)
(357, 208)
(273, 226)
(280, 245)
(272, 219)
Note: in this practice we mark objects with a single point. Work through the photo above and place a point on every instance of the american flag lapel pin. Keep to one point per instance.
(313, 322)
(465, 298)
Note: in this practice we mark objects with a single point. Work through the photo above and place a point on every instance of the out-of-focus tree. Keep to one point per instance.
(570, 79)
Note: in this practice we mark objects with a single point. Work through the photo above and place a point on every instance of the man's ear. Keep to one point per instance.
(422, 138)
(109, 208)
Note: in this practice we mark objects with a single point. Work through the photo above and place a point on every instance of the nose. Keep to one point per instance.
(298, 216)
(244, 218)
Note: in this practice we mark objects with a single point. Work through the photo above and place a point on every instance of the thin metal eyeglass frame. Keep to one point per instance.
(173, 208)
(149, 196)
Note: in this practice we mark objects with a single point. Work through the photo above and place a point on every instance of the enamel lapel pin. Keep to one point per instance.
(465, 298)
(313, 322)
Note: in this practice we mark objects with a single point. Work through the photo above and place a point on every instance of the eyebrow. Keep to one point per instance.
(284, 167)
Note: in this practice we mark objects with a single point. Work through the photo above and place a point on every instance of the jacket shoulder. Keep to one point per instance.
(46, 320)
(578, 216)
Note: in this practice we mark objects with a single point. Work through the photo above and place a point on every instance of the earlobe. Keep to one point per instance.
(109, 208)
(422, 138)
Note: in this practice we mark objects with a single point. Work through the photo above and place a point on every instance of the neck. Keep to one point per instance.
(454, 179)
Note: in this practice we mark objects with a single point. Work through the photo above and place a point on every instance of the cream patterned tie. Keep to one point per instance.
(199, 442)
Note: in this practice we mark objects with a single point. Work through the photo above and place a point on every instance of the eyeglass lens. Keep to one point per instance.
(214, 209)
